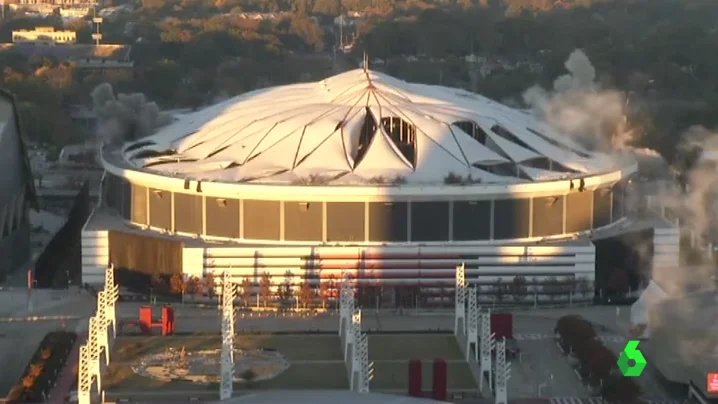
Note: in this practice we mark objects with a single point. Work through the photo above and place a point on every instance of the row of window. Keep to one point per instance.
(499, 219)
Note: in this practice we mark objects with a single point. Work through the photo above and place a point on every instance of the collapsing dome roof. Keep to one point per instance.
(363, 127)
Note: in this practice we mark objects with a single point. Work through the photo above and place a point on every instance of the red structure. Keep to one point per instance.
(415, 388)
(147, 323)
(502, 324)
(439, 388)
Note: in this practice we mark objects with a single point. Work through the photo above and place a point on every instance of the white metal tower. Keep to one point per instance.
(84, 377)
(460, 296)
(103, 339)
(503, 373)
(367, 368)
(487, 344)
(227, 360)
(472, 327)
(96, 36)
(354, 337)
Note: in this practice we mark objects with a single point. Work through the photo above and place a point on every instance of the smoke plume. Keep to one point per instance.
(579, 107)
(124, 117)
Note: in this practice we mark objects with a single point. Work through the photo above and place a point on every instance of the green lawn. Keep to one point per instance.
(425, 347)
(393, 375)
(293, 347)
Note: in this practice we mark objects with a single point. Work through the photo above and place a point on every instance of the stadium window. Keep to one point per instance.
(368, 130)
(504, 133)
(473, 130)
(403, 134)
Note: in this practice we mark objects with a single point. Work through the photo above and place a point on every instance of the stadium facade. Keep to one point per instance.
(388, 182)
(17, 192)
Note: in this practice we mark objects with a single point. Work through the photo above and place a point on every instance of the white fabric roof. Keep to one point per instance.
(289, 133)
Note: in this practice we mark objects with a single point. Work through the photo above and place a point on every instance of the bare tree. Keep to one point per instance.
(499, 290)
(264, 288)
(306, 294)
(247, 291)
(325, 290)
(582, 286)
(518, 288)
(209, 285)
(551, 287)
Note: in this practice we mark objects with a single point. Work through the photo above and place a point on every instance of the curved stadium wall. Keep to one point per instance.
(311, 215)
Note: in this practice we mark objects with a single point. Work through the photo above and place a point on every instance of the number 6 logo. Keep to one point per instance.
(631, 353)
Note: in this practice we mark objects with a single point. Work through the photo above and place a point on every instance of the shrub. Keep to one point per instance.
(43, 369)
(46, 354)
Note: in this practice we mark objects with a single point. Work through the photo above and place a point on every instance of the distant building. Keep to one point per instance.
(74, 12)
(95, 59)
(44, 36)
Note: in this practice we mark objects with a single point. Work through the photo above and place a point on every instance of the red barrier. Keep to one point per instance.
(415, 388)
(439, 388)
(146, 319)
(168, 320)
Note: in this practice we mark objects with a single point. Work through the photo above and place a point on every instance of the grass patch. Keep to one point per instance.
(424, 347)
(293, 347)
(307, 377)
(302, 376)
(394, 375)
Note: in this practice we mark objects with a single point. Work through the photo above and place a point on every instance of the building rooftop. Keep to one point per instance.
(361, 126)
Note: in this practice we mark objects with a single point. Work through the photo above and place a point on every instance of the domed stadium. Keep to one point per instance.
(363, 128)
(363, 167)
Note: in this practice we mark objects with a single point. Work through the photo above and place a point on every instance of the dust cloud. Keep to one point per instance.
(596, 117)
(578, 106)
(124, 117)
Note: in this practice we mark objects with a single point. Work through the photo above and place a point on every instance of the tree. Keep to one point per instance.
(265, 285)
(191, 286)
(209, 285)
(499, 289)
(551, 287)
(247, 291)
(284, 293)
(518, 288)
(582, 286)
(158, 284)
(306, 294)
(178, 286)
(325, 290)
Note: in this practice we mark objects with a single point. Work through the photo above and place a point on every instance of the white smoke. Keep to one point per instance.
(579, 107)
(125, 117)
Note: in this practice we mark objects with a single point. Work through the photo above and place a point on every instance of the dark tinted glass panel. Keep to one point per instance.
(387, 221)
(345, 221)
(511, 218)
(602, 201)
(261, 220)
(160, 209)
(618, 210)
(222, 218)
(125, 199)
(578, 211)
(547, 216)
(188, 213)
(429, 221)
(303, 221)
(472, 220)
